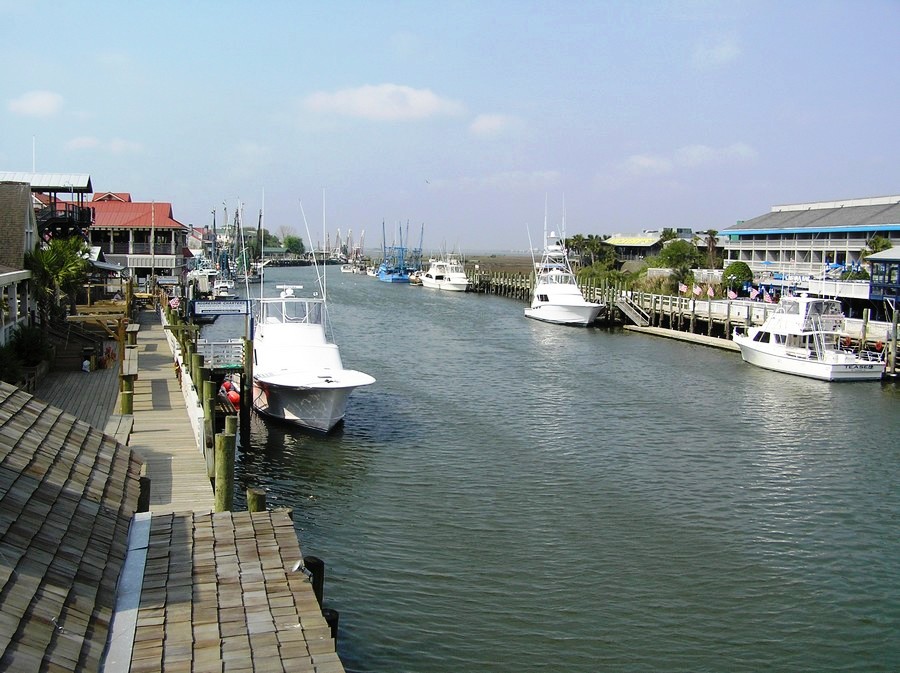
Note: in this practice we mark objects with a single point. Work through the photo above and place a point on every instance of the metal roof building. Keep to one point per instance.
(804, 239)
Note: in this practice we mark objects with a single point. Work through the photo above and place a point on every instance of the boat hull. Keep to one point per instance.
(565, 314)
(318, 406)
(448, 285)
(393, 277)
(847, 368)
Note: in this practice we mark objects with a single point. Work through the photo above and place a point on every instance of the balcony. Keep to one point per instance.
(63, 219)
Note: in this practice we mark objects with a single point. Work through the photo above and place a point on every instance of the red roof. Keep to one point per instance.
(132, 215)
(113, 196)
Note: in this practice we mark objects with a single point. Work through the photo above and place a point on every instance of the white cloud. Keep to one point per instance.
(487, 125)
(504, 181)
(680, 161)
(647, 164)
(719, 52)
(82, 143)
(691, 156)
(383, 102)
(36, 104)
(120, 146)
(114, 146)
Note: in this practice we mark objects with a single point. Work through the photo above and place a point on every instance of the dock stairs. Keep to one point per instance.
(637, 315)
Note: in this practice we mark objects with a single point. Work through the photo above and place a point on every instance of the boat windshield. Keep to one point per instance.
(828, 308)
(294, 311)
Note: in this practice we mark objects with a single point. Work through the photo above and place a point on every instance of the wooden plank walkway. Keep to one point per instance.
(89, 396)
(702, 339)
(162, 432)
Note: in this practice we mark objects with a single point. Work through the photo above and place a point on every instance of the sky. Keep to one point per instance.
(458, 123)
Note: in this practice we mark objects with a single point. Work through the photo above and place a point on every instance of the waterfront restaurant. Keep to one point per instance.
(804, 240)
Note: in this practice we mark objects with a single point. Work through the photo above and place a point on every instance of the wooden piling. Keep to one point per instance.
(256, 500)
(316, 566)
(225, 446)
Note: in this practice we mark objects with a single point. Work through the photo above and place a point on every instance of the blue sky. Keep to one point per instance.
(462, 116)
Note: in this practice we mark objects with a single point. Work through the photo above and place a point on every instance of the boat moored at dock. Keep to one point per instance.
(556, 297)
(445, 274)
(298, 375)
(805, 337)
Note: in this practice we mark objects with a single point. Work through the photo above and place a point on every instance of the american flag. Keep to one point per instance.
(732, 294)
(754, 293)
(174, 302)
(682, 287)
(709, 292)
(696, 290)
(767, 297)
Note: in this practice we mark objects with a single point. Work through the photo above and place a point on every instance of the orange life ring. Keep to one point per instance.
(845, 342)
(879, 346)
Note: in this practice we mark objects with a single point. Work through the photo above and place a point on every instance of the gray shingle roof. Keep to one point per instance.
(862, 217)
(67, 495)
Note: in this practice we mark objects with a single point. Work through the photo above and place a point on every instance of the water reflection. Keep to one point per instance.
(514, 496)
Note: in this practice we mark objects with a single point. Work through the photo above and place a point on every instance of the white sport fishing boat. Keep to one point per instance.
(298, 375)
(556, 297)
(445, 274)
(804, 336)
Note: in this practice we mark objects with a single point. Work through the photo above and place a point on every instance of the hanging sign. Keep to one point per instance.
(222, 307)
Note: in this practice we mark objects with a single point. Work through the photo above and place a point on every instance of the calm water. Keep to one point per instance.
(515, 496)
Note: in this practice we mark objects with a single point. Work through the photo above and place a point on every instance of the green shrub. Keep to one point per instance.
(30, 345)
(10, 365)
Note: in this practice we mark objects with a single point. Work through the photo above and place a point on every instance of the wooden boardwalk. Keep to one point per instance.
(162, 432)
(89, 396)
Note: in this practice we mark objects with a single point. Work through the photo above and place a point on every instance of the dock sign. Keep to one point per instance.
(222, 307)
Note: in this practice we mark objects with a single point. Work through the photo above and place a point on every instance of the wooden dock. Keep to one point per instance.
(161, 432)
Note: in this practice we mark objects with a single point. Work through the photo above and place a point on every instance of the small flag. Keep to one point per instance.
(174, 302)
(754, 293)
(709, 292)
(682, 287)
(767, 297)
(732, 294)
(696, 290)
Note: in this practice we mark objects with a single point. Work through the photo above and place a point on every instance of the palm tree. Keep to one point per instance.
(575, 244)
(596, 247)
(58, 270)
(667, 234)
(875, 244)
(711, 241)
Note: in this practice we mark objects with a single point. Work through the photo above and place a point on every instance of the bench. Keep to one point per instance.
(131, 332)
(119, 427)
(130, 362)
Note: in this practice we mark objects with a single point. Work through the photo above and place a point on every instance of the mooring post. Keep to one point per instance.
(196, 365)
(225, 444)
(893, 353)
(246, 392)
(256, 500)
(864, 329)
(207, 390)
(316, 566)
(332, 617)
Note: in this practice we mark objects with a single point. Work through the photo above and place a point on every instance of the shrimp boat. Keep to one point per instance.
(804, 337)
(298, 375)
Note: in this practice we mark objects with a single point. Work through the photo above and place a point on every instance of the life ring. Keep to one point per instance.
(879, 346)
(845, 342)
